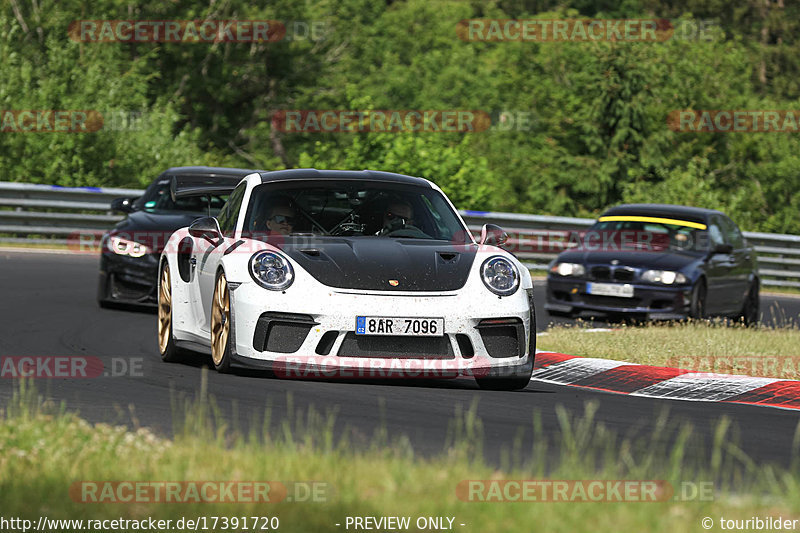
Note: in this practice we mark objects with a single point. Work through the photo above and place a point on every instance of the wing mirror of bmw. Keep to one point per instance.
(492, 235)
(123, 205)
(206, 228)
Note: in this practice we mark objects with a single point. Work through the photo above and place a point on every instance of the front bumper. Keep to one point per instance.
(567, 295)
(314, 336)
(127, 279)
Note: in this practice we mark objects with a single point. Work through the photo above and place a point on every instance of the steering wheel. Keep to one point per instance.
(409, 231)
(398, 228)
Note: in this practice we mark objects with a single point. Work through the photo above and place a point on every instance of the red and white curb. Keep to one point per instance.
(663, 382)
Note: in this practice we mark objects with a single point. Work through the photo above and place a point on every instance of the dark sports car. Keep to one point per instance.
(130, 251)
(659, 262)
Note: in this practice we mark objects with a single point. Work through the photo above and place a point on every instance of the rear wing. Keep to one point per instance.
(207, 183)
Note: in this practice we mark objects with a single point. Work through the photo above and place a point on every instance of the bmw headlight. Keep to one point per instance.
(271, 270)
(665, 277)
(568, 269)
(500, 276)
(121, 246)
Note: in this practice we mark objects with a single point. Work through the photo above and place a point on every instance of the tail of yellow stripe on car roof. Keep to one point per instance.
(630, 218)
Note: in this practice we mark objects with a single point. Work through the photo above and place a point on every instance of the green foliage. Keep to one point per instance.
(596, 132)
(466, 179)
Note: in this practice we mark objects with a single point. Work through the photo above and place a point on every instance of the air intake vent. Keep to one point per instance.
(503, 337)
(465, 345)
(448, 257)
(325, 344)
(396, 347)
(281, 332)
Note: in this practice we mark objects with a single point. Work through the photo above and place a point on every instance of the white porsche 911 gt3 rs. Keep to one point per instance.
(315, 273)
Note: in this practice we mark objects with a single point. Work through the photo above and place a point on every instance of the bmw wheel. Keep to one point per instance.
(750, 308)
(102, 292)
(221, 325)
(697, 308)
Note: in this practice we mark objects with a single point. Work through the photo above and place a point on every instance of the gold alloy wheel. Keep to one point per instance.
(164, 310)
(220, 320)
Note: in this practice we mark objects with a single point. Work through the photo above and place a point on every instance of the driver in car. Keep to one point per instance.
(398, 215)
(279, 219)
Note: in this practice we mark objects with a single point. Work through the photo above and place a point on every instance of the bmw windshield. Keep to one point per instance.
(645, 236)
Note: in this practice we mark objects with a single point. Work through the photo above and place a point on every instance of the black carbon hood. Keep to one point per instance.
(369, 263)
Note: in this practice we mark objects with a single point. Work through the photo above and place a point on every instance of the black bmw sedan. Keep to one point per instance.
(659, 262)
(130, 251)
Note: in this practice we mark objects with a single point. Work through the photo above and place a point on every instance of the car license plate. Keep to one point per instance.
(610, 289)
(404, 326)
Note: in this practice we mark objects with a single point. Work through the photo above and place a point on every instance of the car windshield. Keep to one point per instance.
(157, 199)
(645, 236)
(353, 208)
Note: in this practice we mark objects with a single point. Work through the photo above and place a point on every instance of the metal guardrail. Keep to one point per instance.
(31, 213)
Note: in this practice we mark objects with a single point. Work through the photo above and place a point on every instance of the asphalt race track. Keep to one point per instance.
(49, 309)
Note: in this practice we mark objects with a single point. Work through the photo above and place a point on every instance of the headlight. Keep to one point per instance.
(500, 276)
(271, 270)
(121, 246)
(568, 269)
(666, 277)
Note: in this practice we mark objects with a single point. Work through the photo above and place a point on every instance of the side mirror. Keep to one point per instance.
(722, 249)
(492, 235)
(123, 205)
(206, 228)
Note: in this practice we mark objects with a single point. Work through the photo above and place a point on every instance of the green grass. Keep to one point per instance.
(43, 450)
(44, 245)
(779, 290)
(702, 346)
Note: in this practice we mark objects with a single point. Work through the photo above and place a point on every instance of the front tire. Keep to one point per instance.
(750, 308)
(563, 314)
(221, 352)
(166, 342)
(507, 383)
(697, 309)
(102, 293)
